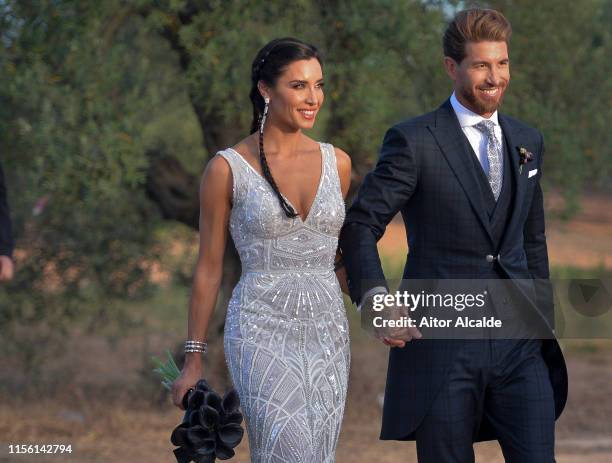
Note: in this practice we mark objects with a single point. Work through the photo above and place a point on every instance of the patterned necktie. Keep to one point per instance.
(494, 156)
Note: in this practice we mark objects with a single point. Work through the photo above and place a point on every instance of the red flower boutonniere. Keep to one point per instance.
(525, 157)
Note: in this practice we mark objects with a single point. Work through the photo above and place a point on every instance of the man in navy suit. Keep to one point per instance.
(6, 239)
(466, 180)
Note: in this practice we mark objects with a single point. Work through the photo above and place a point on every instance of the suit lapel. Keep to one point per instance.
(450, 139)
(513, 141)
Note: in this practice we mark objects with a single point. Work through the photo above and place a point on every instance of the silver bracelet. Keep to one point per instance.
(196, 346)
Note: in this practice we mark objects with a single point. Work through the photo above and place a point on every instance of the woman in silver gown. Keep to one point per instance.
(281, 196)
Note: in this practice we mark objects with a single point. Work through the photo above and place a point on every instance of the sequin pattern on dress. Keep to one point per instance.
(286, 334)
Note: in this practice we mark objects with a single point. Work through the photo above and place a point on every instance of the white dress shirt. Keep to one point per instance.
(477, 139)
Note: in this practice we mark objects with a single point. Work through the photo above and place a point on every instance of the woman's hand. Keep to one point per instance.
(190, 374)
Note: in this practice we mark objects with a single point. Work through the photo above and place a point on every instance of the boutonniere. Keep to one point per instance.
(525, 156)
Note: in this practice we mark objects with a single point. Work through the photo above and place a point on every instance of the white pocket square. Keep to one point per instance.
(532, 172)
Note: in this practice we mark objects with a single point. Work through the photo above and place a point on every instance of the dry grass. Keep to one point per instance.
(114, 423)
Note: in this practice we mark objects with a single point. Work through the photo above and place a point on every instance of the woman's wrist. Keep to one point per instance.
(193, 360)
(196, 346)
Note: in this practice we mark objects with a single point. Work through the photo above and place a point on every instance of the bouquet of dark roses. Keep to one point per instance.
(211, 427)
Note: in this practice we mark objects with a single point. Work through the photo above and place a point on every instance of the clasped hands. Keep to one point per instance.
(394, 336)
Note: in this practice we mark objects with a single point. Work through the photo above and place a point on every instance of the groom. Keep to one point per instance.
(471, 202)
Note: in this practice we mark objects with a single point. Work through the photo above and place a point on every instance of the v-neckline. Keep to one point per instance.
(316, 196)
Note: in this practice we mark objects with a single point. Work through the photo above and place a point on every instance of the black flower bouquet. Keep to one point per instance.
(211, 427)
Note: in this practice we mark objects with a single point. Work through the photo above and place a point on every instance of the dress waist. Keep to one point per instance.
(288, 272)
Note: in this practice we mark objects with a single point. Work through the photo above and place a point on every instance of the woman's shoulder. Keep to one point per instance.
(343, 160)
(245, 148)
(218, 165)
(341, 156)
(217, 178)
(231, 155)
(344, 166)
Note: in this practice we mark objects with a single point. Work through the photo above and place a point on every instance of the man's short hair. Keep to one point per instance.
(474, 25)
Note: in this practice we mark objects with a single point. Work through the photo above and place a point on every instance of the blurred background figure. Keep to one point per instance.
(6, 237)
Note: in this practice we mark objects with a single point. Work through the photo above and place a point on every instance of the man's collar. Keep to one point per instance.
(466, 117)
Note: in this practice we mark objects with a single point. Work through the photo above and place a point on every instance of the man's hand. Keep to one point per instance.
(390, 335)
(376, 322)
(397, 337)
(6, 268)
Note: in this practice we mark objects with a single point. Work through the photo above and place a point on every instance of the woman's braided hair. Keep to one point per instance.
(268, 65)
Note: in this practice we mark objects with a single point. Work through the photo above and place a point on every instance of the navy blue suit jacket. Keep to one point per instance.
(426, 173)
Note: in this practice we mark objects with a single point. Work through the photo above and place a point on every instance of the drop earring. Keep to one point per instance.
(264, 115)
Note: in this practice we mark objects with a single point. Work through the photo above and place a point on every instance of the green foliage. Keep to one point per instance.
(88, 88)
(74, 102)
(378, 70)
(561, 84)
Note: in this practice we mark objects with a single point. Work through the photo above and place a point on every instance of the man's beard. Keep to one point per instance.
(482, 106)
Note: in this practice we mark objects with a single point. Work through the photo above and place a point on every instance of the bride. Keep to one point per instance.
(281, 196)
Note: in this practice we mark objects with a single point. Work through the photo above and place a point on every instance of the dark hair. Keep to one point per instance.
(474, 25)
(268, 65)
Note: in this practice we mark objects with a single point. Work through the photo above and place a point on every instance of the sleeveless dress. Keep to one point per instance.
(286, 333)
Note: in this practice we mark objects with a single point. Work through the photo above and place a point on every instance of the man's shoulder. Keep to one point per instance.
(416, 124)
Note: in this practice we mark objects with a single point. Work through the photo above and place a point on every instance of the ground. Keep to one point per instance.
(108, 406)
(115, 430)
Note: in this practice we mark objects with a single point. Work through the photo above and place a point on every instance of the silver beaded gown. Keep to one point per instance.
(286, 333)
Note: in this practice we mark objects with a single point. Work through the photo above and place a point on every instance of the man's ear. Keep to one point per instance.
(450, 65)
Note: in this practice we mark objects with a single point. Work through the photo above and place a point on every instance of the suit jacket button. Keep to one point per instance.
(490, 258)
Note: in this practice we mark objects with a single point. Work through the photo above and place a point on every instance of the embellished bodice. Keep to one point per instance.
(268, 241)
